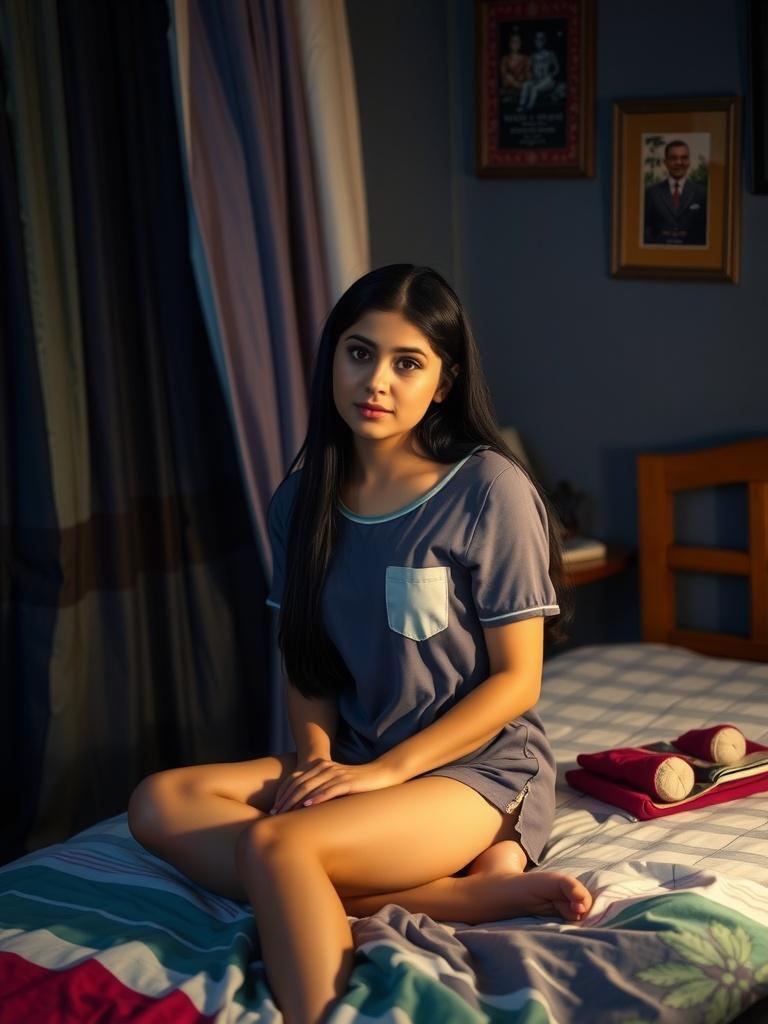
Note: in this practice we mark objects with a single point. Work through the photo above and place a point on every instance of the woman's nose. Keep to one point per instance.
(378, 379)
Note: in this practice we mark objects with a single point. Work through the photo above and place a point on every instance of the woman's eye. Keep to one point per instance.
(358, 354)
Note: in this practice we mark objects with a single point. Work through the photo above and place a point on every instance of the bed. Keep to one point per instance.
(97, 929)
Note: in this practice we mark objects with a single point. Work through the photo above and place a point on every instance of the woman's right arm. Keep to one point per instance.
(313, 721)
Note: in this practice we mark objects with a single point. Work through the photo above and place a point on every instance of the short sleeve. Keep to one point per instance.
(278, 524)
(508, 553)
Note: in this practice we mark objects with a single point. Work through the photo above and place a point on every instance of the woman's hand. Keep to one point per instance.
(321, 779)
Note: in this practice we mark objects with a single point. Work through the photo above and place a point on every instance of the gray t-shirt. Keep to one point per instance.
(406, 598)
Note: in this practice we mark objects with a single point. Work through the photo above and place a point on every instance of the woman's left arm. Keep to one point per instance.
(515, 652)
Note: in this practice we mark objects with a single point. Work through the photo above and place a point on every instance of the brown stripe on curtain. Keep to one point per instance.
(261, 269)
(152, 534)
(159, 647)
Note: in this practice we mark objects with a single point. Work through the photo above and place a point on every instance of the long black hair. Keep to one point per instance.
(449, 430)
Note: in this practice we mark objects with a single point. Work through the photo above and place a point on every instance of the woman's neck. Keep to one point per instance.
(377, 465)
(385, 479)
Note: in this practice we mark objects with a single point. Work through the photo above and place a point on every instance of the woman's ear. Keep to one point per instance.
(447, 377)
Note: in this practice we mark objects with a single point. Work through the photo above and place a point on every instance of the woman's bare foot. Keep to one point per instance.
(536, 893)
(486, 895)
(544, 894)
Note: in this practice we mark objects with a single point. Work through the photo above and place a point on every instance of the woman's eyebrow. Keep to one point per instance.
(372, 343)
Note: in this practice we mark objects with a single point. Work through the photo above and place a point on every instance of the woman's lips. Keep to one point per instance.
(370, 413)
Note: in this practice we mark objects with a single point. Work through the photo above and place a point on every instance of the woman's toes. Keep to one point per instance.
(579, 897)
(500, 877)
(569, 898)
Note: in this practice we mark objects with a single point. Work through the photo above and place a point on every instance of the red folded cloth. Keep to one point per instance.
(642, 806)
(723, 744)
(656, 780)
(662, 776)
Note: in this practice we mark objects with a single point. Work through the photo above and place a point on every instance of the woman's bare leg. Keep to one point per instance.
(493, 888)
(480, 898)
(299, 867)
(193, 816)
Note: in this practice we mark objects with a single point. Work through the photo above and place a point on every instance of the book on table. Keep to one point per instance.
(583, 549)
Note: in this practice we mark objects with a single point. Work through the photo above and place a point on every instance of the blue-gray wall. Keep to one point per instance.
(590, 369)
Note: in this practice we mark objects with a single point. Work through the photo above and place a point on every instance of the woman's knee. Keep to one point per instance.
(151, 804)
(266, 839)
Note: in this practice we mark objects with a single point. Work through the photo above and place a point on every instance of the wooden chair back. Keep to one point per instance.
(660, 478)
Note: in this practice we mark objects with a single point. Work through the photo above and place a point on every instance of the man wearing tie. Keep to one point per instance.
(676, 208)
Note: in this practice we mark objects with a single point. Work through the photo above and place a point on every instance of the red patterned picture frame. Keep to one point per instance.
(535, 88)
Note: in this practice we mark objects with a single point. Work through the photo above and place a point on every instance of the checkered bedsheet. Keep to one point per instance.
(598, 697)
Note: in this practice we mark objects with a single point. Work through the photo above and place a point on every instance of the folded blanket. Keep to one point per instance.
(642, 806)
(722, 744)
(655, 780)
(662, 776)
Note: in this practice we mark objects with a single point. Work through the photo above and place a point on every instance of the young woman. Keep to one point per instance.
(414, 563)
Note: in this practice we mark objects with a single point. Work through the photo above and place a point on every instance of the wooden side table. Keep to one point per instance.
(616, 560)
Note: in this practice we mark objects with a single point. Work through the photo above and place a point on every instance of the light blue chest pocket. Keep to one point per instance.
(417, 600)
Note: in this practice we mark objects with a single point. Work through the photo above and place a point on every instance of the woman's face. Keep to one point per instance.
(385, 376)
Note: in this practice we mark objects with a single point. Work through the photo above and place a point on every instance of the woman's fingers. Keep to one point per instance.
(300, 785)
(308, 787)
(280, 795)
(284, 792)
(326, 792)
(286, 786)
(326, 786)
(284, 799)
(328, 780)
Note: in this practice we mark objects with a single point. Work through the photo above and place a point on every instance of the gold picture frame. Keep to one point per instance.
(677, 188)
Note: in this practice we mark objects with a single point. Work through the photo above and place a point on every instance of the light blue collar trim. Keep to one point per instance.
(370, 520)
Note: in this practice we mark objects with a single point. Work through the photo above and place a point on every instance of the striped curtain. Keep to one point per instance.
(181, 200)
(267, 117)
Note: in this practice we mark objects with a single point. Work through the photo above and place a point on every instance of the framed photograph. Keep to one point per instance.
(535, 88)
(677, 188)
(758, 61)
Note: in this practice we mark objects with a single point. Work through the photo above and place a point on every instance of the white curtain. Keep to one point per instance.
(268, 125)
(331, 98)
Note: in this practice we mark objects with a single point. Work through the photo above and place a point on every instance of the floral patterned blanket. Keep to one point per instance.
(659, 945)
(97, 929)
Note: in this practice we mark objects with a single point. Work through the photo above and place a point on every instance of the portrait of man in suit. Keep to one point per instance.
(676, 206)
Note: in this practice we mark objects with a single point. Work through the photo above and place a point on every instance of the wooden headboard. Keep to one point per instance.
(660, 478)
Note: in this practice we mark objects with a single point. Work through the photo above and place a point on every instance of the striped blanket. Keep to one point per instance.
(97, 929)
